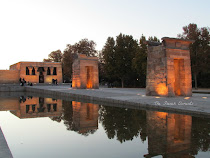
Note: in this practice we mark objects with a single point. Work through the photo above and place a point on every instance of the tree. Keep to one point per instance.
(153, 39)
(125, 50)
(140, 62)
(199, 49)
(126, 60)
(84, 46)
(68, 57)
(101, 69)
(55, 56)
(109, 58)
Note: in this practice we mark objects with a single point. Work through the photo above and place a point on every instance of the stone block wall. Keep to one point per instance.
(85, 72)
(169, 68)
(21, 66)
(9, 76)
(156, 71)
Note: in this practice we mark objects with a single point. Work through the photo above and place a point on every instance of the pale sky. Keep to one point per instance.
(31, 29)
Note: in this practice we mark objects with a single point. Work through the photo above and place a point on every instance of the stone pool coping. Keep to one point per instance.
(198, 104)
(4, 148)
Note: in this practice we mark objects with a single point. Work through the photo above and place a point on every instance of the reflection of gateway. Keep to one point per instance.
(85, 116)
(168, 134)
(32, 107)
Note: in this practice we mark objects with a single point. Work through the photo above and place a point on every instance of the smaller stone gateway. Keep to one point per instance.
(85, 72)
(169, 68)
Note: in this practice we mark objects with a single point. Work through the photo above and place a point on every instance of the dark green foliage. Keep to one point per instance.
(125, 60)
(55, 56)
(84, 46)
(125, 50)
(199, 52)
(140, 63)
(67, 62)
(118, 60)
(109, 58)
(153, 39)
(124, 124)
(200, 138)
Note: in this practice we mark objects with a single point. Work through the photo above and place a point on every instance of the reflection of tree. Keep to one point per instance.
(200, 135)
(87, 132)
(123, 123)
(66, 115)
(56, 118)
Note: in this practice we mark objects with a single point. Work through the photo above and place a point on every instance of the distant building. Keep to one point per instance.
(34, 72)
(85, 72)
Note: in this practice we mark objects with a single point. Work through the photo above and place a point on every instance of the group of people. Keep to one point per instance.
(54, 82)
(23, 81)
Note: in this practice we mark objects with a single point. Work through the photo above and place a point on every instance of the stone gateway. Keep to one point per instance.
(169, 68)
(85, 72)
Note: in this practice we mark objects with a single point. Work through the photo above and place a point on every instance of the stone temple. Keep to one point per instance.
(169, 68)
(85, 72)
(33, 72)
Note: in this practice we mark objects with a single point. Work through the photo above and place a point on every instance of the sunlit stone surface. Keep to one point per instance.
(168, 68)
(34, 72)
(85, 72)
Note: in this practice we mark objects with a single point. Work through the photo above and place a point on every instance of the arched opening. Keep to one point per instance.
(33, 71)
(89, 74)
(179, 76)
(54, 71)
(27, 71)
(48, 71)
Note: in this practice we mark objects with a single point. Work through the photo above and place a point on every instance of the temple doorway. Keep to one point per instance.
(89, 72)
(41, 75)
(178, 73)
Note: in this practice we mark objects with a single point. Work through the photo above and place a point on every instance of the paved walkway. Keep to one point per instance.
(198, 104)
(4, 149)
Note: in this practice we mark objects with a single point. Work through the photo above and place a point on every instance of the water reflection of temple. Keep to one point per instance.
(31, 107)
(85, 117)
(169, 135)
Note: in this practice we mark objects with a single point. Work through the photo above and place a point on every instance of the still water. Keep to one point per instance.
(38, 127)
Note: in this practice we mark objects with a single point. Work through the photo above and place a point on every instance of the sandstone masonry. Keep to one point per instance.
(168, 68)
(85, 72)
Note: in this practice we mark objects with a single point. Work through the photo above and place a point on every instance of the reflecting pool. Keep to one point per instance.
(41, 127)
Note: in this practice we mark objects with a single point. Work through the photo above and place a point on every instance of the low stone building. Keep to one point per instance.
(169, 68)
(85, 72)
(34, 72)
